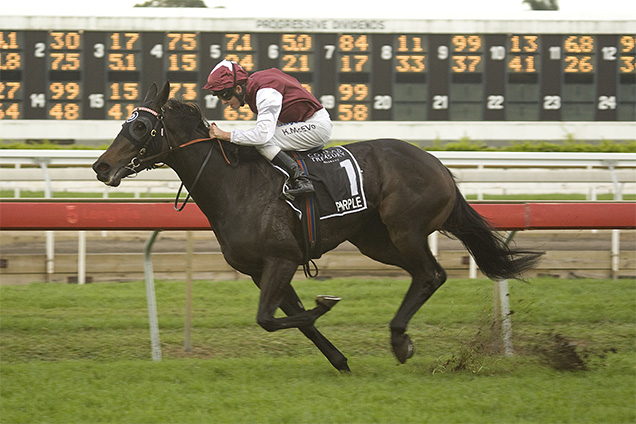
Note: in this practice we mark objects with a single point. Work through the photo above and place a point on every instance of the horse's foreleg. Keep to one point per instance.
(274, 283)
(292, 306)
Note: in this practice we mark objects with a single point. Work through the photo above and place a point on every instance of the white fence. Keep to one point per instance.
(103, 132)
(477, 173)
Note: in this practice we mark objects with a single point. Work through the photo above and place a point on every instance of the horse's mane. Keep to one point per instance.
(190, 117)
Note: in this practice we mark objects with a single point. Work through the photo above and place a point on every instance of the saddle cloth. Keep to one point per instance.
(337, 179)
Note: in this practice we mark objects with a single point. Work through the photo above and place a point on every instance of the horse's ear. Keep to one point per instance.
(163, 95)
(152, 93)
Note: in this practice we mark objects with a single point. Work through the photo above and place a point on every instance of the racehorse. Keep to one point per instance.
(409, 195)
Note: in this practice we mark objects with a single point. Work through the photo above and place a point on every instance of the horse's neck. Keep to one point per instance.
(188, 161)
(215, 190)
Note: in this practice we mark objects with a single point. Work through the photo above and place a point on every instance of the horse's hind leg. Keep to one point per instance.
(291, 306)
(408, 250)
(424, 283)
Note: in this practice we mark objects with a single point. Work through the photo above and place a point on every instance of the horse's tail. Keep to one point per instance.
(493, 256)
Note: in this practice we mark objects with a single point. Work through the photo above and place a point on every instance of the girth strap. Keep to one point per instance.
(310, 223)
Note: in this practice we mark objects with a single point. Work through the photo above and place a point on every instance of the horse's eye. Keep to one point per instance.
(139, 127)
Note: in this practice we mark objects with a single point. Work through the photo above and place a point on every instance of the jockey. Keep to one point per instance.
(288, 117)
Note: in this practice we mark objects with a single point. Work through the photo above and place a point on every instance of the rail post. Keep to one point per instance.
(81, 257)
(151, 298)
(503, 323)
(187, 344)
(50, 235)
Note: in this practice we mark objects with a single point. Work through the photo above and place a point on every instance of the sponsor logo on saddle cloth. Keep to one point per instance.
(337, 179)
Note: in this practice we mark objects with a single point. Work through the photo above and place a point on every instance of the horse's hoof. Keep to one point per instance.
(345, 370)
(402, 348)
(342, 366)
(327, 301)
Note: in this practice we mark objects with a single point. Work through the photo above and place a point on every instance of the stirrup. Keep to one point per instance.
(301, 188)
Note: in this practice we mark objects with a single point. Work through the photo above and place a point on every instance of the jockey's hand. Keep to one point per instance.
(216, 132)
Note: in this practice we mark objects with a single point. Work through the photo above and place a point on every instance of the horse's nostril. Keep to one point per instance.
(101, 167)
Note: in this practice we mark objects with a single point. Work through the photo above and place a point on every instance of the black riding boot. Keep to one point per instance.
(300, 184)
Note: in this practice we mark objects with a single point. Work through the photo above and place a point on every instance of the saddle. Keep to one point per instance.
(337, 179)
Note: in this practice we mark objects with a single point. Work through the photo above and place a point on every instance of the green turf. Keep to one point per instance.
(81, 354)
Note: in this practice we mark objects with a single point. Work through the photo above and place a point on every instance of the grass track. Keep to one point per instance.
(72, 354)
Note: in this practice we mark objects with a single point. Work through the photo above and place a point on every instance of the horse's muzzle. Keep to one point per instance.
(109, 175)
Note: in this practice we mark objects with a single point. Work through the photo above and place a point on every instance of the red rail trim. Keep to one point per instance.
(99, 216)
(162, 216)
(585, 215)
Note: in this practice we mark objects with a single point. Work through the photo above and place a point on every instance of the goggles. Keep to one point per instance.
(226, 94)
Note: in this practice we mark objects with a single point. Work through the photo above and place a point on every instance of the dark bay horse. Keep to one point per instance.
(409, 193)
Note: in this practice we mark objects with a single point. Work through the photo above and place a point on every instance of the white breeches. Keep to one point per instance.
(300, 136)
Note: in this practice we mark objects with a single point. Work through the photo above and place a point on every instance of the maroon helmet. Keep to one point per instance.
(226, 75)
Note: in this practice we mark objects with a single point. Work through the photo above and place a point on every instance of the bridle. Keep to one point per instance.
(145, 115)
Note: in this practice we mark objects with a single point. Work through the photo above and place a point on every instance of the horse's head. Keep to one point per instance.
(140, 136)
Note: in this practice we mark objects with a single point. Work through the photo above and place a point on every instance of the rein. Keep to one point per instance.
(196, 179)
(135, 162)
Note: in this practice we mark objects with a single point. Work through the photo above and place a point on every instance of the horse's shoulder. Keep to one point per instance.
(240, 153)
(248, 153)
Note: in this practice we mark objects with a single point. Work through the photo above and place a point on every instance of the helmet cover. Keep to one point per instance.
(226, 75)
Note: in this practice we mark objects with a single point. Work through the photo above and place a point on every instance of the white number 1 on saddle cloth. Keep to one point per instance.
(337, 179)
